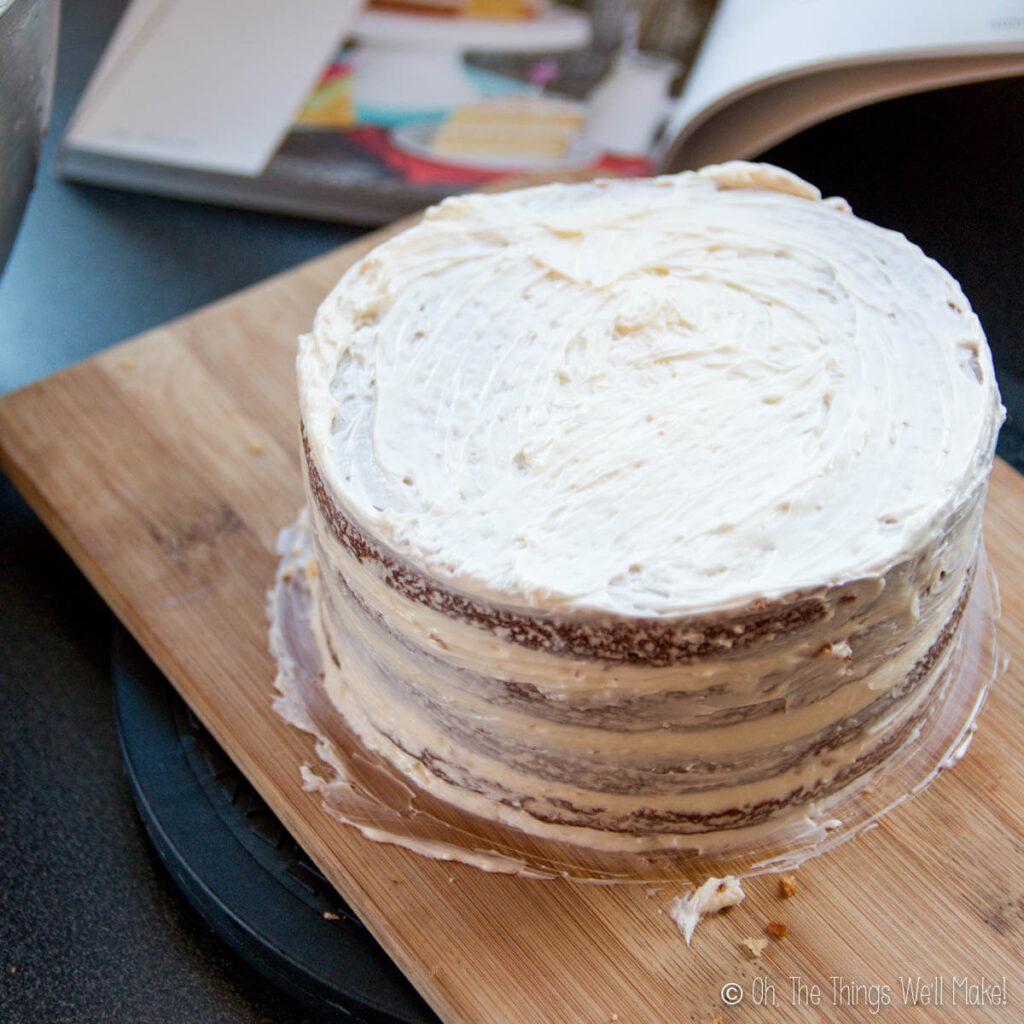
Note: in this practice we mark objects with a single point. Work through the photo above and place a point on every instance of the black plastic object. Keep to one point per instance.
(239, 867)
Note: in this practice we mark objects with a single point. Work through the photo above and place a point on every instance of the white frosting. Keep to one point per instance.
(712, 897)
(668, 399)
(649, 397)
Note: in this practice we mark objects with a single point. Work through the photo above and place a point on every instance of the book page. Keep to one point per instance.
(209, 84)
(138, 16)
(755, 120)
(750, 41)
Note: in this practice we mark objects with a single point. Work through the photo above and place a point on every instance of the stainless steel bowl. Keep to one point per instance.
(28, 49)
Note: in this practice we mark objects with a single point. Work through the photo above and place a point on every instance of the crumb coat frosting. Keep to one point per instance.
(649, 398)
(644, 513)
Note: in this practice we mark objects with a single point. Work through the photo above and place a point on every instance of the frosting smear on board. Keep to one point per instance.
(649, 397)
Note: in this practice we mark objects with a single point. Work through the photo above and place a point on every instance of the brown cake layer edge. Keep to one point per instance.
(829, 740)
(637, 640)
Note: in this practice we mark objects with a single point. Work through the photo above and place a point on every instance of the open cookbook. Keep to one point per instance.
(362, 111)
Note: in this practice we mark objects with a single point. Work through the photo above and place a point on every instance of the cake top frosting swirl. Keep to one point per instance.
(649, 397)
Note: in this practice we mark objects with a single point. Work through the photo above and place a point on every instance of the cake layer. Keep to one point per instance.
(706, 743)
(648, 398)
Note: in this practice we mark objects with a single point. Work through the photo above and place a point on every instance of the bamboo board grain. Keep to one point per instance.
(167, 465)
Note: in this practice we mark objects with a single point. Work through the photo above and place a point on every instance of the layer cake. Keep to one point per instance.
(644, 512)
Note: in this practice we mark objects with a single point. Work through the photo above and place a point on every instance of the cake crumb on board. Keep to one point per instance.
(787, 886)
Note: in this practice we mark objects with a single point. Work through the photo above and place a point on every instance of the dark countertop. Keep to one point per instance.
(92, 928)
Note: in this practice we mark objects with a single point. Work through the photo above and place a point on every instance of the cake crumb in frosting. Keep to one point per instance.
(714, 895)
(841, 650)
(754, 947)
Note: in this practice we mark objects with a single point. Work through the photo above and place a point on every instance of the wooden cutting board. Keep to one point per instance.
(166, 467)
